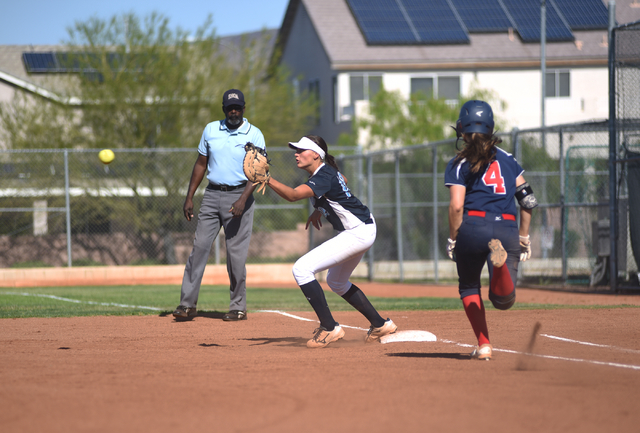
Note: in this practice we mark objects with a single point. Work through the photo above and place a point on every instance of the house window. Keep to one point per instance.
(449, 87)
(422, 85)
(439, 87)
(363, 87)
(557, 84)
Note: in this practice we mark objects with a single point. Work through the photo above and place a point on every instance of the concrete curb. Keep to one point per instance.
(133, 275)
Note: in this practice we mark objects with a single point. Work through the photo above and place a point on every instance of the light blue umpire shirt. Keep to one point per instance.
(225, 149)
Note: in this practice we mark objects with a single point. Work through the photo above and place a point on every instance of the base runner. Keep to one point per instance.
(483, 180)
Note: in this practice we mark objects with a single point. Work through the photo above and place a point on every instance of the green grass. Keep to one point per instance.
(164, 298)
(33, 264)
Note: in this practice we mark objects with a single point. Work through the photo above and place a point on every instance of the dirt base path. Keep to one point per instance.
(523, 295)
(152, 374)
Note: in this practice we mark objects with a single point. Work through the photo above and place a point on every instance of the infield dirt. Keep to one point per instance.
(152, 374)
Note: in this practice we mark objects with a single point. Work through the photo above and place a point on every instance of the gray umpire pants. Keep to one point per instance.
(214, 213)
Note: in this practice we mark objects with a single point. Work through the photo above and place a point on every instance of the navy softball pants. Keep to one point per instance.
(472, 249)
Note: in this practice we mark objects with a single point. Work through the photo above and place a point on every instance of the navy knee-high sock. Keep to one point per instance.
(315, 296)
(360, 302)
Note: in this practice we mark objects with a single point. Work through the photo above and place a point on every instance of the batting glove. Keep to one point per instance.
(525, 248)
(451, 246)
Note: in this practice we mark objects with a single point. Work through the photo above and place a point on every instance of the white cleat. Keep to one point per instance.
(374, 334)
(322, 337)
(482, 353)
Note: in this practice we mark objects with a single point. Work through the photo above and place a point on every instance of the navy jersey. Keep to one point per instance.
(334, 199)
(490, 191)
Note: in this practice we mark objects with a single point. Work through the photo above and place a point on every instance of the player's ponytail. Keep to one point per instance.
(479, 150)
(328, 159)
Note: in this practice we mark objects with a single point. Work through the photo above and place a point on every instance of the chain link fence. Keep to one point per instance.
(65, 208)
(567, 168)
(624, 154)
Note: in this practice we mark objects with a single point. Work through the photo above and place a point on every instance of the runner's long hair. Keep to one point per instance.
(329, 159)
(479, 150)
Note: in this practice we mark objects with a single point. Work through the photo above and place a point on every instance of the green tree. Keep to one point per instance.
(394, 121)
(138, 83)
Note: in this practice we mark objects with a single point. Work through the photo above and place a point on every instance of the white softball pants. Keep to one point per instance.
(340, 255)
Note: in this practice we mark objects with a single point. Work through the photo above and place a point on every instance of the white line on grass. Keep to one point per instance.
(106, 304)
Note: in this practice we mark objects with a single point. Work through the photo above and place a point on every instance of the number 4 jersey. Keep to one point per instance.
(491, 190)
(334, 199)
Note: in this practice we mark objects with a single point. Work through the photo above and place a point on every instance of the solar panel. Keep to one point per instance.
(58, 62)
(435, 21)
(40, 62)
(69, 61)
(483, 16)
(408, 22)
(584, 14)
(382, 22)
(526, 15)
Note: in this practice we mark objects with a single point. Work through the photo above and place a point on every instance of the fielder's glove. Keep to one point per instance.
(525, 248)
(451, 246)
(256, 166)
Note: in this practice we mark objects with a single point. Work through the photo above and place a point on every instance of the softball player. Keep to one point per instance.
(483, 181)
(331, 198)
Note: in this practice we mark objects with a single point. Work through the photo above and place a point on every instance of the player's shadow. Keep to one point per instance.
(212, 314)
(461, 356)
(205, 314)
(285, 341)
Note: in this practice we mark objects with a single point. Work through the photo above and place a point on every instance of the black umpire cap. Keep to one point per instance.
(232, 97)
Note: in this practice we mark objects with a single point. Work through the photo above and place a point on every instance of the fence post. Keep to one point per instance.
(67, 206)
(359, 175)
(563, 210)
(613, 152)
(370, 205)
(399, 220)
(517, 151)
(434, 151)
(311, 235)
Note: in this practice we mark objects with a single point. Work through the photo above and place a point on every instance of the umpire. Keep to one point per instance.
(227, 202)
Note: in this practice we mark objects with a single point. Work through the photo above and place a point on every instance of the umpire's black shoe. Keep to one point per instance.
(234, 315)
(185, 313)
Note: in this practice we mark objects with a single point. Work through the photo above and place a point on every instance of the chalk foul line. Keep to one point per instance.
(561, 358)
(586, 343)
(293, 316)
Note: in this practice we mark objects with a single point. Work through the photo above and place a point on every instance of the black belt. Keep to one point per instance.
(225, 187)
(369, 221)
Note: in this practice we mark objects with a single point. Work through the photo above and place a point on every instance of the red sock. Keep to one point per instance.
(501, 283)
(474, 308)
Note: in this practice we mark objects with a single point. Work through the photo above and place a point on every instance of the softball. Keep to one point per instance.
(106, 156)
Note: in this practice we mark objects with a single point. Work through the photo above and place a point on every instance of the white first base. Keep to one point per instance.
(408, 336)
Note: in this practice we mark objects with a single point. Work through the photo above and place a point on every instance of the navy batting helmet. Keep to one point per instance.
(475, 116)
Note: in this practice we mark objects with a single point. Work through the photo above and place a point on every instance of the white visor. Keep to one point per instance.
(307, 144)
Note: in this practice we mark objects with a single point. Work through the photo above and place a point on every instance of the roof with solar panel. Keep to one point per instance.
(409, 34)
(400, 22)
